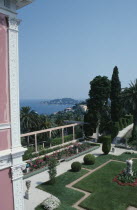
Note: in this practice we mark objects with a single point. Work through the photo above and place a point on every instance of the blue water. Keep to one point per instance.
(41, 108)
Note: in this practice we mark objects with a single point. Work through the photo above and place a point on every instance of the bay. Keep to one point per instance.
(42, 108)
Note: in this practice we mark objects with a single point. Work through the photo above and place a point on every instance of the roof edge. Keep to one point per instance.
(22, 3)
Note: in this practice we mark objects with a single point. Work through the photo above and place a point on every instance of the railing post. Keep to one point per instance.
(50, 138)
(28, 140)
(43, 145)
(62, 135)
(36, 146)
(73, 133)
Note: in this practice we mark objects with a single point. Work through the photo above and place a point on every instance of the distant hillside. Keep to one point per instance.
(62, 101)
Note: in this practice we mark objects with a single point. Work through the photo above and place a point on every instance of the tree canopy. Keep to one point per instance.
(99, 94)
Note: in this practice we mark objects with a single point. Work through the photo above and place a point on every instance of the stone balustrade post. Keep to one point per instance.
(73, 132)
(36, 144)
(50, 137)
(62, 135)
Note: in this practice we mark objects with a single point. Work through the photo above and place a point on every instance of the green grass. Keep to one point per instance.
(102, 177)
(67, 196)
(106, 194)
(104, 158)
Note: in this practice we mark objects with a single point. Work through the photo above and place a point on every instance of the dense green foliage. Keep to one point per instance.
(76, 166)
(98, 101)
(106, 147)
(115, 129)
(115, 96)
(89, 159)
(129, 96)
(57, 141)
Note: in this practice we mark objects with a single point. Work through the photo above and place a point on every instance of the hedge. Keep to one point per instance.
(57, 141)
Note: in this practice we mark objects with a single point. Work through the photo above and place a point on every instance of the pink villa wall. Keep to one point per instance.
(6, 191)
(4, 83)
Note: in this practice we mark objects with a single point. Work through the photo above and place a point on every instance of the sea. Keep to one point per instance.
(41, 108)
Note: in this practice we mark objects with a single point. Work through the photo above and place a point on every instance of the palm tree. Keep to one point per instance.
(130, 97)
(28, 119)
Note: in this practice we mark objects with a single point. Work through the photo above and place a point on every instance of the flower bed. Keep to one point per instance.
(69, 152)
(126, 180)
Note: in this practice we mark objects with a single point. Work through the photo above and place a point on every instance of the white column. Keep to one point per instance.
(16, 150)
(17, 187)
(14, 82)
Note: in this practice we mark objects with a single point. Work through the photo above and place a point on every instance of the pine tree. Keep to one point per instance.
(115, 96)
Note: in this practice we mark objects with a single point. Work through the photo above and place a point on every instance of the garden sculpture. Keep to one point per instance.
(129, 167)
(28, 183)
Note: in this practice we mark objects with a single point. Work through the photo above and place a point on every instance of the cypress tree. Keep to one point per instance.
(115, 96)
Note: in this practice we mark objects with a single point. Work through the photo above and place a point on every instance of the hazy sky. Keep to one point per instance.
(64, 44)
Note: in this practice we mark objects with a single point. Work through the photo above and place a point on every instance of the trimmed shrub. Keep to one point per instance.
(76, 166)
(89, 159)
(115, 129)
(106, 147)
(52, 170)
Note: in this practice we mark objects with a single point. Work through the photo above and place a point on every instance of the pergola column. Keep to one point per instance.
(73, 132)
(28, 140)
(43, 145)
(50, 137)
(62, 135)
(36, 144)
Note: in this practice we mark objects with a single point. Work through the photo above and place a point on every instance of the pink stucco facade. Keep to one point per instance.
(4, 77)
(6, 191)
(5, 139)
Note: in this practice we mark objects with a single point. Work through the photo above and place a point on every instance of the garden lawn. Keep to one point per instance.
(67, 196)
(104, 158)
(106, 194)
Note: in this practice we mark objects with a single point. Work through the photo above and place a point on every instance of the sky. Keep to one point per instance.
(64, 44)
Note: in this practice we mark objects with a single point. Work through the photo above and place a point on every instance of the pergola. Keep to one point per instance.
(49, 130)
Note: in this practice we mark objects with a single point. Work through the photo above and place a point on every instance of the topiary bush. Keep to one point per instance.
(89, 159)
(76, 166)
(106, 147)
